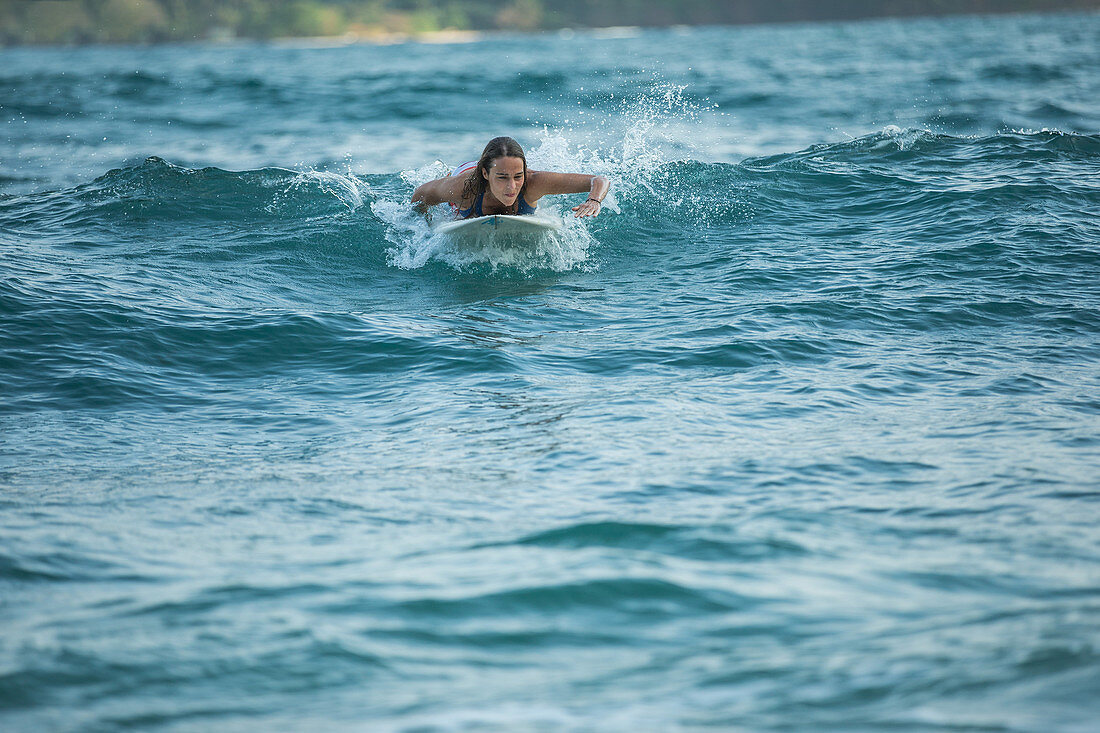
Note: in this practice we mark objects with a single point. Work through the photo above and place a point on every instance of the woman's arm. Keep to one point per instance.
(542, 183)
(439, 191)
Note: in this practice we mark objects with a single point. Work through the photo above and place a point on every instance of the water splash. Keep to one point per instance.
(632, 143)
(904, 138)
(346, 188)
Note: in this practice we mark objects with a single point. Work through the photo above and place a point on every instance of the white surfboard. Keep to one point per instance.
(499, 227)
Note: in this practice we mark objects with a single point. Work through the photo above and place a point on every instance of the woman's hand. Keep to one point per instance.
(591, 207)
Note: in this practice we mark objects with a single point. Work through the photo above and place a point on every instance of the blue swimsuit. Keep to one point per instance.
(522, 207)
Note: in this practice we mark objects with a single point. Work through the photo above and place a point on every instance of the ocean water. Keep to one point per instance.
(801, 434)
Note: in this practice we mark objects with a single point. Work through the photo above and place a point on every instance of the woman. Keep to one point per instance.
(500, 183)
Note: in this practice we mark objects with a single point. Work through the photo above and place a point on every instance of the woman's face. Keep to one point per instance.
(505, 177)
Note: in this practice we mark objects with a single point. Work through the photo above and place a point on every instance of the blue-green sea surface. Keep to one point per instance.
(801, 434)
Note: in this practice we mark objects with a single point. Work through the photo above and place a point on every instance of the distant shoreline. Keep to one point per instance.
(76, 23)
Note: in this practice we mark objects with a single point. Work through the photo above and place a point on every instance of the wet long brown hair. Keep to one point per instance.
(499, 147)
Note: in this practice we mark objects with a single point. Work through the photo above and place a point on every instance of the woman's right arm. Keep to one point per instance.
(438, 191)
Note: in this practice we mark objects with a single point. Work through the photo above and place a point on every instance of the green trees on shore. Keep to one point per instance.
(147, 21)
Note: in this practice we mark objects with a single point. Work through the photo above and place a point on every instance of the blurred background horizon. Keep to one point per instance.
(79, 22)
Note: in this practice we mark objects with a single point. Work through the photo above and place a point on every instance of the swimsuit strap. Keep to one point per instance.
(523, 207)
(476, 208)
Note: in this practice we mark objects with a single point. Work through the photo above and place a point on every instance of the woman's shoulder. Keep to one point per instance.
(453, 187)
(536, 180)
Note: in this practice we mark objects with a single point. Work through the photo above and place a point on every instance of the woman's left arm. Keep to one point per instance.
(541, 183)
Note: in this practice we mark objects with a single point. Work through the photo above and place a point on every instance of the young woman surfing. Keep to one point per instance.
(500, 183)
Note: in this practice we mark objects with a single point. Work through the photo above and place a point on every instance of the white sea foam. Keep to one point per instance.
(415, 242)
